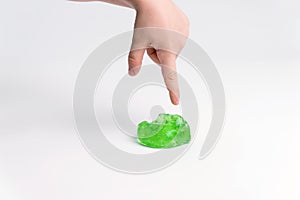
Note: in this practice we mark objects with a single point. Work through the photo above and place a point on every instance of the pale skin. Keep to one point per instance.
(163, 14)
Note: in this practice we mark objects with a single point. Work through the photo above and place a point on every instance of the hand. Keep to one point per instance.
(161, 29)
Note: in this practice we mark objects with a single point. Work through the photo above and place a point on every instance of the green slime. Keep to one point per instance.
(166, 131)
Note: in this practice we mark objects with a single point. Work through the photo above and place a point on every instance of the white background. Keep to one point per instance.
(255, 46)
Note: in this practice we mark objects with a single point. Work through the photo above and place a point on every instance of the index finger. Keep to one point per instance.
(168, 68)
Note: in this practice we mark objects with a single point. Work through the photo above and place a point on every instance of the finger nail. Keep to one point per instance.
(174, 98)
(176, 101)
(133, 71)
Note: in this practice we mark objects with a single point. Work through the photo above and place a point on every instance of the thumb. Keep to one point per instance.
(135, 59)
(168, 68)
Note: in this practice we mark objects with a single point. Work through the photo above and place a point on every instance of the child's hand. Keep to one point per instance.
(161, 29)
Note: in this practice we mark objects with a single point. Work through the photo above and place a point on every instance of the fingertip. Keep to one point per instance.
(174, 99)
(133, 71)
(175, 102)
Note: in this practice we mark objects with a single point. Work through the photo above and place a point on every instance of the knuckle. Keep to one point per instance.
(172, 76)
(133, 61)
